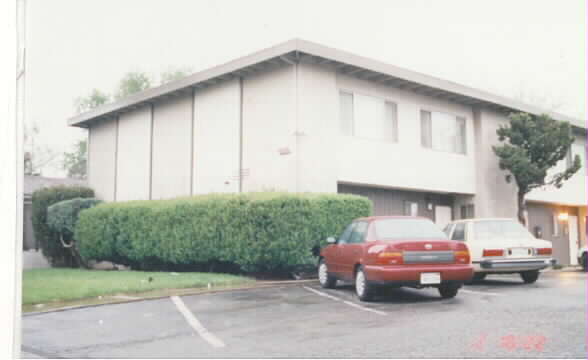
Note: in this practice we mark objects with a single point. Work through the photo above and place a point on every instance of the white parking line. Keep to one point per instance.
(196, 325)
(357, 306)
(479, 292)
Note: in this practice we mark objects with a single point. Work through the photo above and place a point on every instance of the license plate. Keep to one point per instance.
(519, 252)
(430, 278)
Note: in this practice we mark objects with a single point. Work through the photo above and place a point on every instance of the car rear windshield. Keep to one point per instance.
(407, 229)
(499, 230)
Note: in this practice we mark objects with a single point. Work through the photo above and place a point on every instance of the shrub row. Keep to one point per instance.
(62, 216)
(255, 231)
(47, 238)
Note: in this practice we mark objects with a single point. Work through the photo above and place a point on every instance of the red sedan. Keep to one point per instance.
(395, 251)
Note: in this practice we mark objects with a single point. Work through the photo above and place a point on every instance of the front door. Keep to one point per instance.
(573, 239)
(442, 215)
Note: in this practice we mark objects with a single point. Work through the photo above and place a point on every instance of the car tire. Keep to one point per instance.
(448, 291)
(530, 277)
(363, 289)
(584, 262)
(326, 280)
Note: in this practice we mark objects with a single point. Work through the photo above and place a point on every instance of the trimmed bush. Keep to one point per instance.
(47, 238)
(62, 218)
(255, 231)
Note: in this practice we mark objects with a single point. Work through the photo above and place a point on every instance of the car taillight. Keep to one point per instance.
(462, 256)
(493, 252)
(389, 258)
(543, 251)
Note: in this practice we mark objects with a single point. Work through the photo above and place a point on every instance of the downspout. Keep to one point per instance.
(116, 158)
(240, 175)
(151, 110)
(296, 133)
(192, 136)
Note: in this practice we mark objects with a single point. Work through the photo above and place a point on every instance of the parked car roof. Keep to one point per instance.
(372, 218)
(480, 219)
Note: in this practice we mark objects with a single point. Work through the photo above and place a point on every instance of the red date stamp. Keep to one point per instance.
(513, 342)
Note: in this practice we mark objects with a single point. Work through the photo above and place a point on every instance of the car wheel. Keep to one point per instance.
(530, 277)
(327, 281)
(363, 289)
(584, 262)
(448, 291)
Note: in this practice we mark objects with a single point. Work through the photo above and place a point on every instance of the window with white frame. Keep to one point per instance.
(368, 117)
(444, 132)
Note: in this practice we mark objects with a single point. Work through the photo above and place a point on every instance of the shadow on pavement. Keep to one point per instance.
(396, 295)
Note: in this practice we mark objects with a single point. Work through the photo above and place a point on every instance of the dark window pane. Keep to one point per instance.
(344, 238)
(459, 232)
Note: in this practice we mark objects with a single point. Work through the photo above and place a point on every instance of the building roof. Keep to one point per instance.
(298, 50)
(34, 183)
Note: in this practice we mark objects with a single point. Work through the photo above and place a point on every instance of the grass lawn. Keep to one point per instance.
(58, 285)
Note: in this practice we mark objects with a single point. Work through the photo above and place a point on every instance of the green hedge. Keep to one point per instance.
(255, 231)
(47, 238)
(62, 216)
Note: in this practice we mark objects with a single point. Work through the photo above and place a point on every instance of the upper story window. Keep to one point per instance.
(368, 117)
(443, 132)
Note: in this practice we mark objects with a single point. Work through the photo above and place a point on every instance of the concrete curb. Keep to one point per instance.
(188, 291)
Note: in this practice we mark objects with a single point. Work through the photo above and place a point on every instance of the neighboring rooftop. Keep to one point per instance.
(298, 50)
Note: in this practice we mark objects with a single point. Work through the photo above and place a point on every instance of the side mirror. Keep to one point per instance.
(331, 240)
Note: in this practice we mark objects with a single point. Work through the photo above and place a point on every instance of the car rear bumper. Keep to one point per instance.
(409, 275)
(509, 265)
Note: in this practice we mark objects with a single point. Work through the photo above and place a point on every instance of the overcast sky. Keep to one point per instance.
(532, 50)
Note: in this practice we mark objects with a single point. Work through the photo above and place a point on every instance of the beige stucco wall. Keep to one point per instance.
(318, 128)
(101, 158)
(216, 138)
(406, 164)
(269, 123)
(172, 147)
(573, 191)
(495, 197)
(134, 155)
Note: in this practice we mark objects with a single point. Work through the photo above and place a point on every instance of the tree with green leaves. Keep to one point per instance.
(173, 75)
(94, 99)
(533, 144)
(75, 162)
(36, 157)
(131, 83)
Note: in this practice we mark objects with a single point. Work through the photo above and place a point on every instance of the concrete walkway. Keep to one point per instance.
(32, 259)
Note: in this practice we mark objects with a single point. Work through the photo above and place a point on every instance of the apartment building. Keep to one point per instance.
(303, 117)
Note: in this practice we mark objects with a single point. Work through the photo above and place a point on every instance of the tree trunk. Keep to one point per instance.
(521, 208)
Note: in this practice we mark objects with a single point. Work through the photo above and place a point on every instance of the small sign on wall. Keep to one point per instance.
(284, 151)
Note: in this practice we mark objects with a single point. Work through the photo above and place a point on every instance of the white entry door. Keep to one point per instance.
(442, 215)
(573, 232)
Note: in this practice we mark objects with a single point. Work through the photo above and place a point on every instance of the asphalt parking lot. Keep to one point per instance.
(499, 317)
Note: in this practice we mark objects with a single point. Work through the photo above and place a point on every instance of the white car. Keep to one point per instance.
(502, 246)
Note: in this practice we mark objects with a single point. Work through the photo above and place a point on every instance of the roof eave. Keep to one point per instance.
(281, 52)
